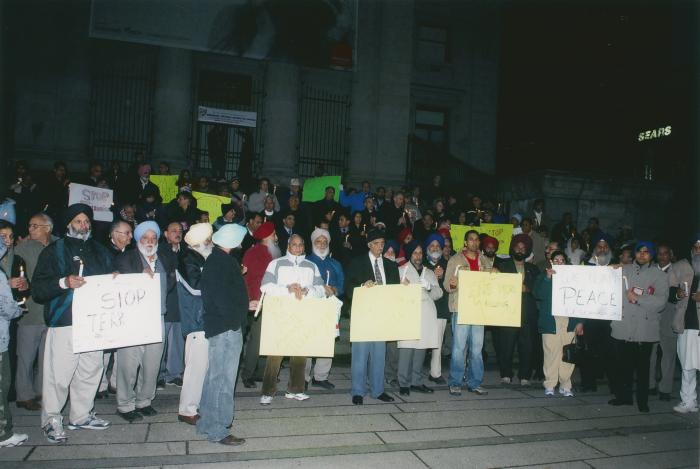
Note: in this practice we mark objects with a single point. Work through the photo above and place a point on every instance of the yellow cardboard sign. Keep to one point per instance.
(167, 185)
(503, 232)
(298, 328)
(210, 203)
(386, 313)
(489, 299)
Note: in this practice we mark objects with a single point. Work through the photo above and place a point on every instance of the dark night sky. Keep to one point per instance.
(579, 82)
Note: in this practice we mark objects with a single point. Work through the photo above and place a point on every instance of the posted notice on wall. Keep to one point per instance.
(587, 292)
(100, 200)
(227, 116)
(116, 312)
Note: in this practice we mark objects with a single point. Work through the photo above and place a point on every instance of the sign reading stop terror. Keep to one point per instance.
(114, 312)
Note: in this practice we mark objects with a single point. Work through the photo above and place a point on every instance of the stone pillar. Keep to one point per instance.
(173, 107)
(281, 115)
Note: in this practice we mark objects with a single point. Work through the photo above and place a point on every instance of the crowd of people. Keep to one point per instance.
(215, 269)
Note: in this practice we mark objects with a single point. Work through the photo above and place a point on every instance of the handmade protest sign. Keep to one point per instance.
(386, 312)
(167, 185)
(488, 299)
(587, 292)
(315, 188)
(503, 232)
(116, 312)
(298, 328)
(100, 200)
(210, 203)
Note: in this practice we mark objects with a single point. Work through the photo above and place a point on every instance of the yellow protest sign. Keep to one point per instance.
(489, 299)
(503, 232)
(386, 313)
(298, 328)
(167, 185)
(210, 203)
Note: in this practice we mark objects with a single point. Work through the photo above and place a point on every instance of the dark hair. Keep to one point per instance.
(165, 163)
(466, 235)
(559, 253)
(4, 224)
(58, 164)
(329, 187)
(251, 215)
(260, 181)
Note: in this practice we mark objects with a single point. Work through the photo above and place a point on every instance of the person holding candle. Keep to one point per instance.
(332, 272)
(256, 200)
(53, 282)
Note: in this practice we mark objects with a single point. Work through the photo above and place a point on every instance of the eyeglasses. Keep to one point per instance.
(34, 226)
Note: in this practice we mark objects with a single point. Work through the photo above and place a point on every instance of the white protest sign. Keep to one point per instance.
(100, 200)
(587, 292)
(116, 312)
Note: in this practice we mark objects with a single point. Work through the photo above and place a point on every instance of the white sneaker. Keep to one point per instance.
(298, 396)
(548, 392)
(91, 423)
(15, 440)
(54, 431)
(524, 382)
(505, 380)
(566, 392)
(684, 408)
(265, 400)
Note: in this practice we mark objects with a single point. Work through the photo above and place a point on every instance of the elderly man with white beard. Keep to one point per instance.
(189, 276)
(255, 260)
(687, 324)
(332, 273)
(138, 366)
(295, 276)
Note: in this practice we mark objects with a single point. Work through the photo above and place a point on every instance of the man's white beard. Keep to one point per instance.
(204, 249)
(604, 259)
(72, 233)
(321, 253)
(147, 251)
(696, 264)
(274, 250)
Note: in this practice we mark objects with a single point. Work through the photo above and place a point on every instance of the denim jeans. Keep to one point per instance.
(375, 352)
(217, 404)
(172, 362)
(463, 336)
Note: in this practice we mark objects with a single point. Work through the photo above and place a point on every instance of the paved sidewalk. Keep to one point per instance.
(510, 427)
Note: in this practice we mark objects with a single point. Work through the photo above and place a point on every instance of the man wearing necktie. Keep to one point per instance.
(366, 272)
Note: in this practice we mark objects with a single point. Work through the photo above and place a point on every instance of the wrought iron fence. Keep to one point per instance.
(123, 79)
(324, 132)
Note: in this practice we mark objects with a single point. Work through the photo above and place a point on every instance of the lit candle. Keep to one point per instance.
(21, 271)
(364, 227)
(80, 270)
(346, 237)
(627, 285)
(328, 277)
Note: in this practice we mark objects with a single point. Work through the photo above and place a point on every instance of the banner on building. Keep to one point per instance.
(587, 292)
(114, 312)
(227, 116)
(100, 200)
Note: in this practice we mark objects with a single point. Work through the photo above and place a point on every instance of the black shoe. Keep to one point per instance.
(422, 389)
(147, 411)
(357, 400)
(384, 397)
(175, 382)
(160, 384)
(325, 384)
(653, 391)
(664, 396)
(249, 383)
(232, 441)
(643, 408)
(438, 380)
(617, 402)
(405, 391)
(131, 416)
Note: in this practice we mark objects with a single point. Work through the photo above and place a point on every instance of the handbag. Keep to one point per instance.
(574, 352)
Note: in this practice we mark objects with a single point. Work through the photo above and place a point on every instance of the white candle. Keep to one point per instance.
(687, 290)
(328, 277)
(260, 302)
(80, 270)
(627, 285)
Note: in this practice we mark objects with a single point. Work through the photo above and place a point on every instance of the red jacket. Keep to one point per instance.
(256, 259)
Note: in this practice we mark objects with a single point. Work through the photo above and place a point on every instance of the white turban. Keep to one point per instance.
(198, 233)
(320, 232)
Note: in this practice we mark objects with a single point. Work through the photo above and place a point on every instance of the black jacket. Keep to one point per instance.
(56, 262)
(224, 294)
(362, 270)
(528, 304)
(171, 260)
(129, 262)
(442, 305)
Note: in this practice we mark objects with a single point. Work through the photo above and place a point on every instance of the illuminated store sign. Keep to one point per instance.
(655, 133)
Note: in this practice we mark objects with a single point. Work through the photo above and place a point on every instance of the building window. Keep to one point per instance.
(432, 45)
(431, 125)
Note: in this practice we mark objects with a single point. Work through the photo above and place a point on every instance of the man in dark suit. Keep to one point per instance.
(285, 229)
(367, 271)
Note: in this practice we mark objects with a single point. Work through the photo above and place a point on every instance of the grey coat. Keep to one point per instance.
(640, 321)
(684, 274)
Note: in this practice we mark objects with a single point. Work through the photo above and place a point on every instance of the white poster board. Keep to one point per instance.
(100, 200)
(227, 116)
(587, 292)
(116, 312)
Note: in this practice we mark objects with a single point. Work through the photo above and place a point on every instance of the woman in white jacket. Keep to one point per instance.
(412, 352)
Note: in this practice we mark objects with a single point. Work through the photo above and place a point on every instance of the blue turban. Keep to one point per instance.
(409, 248)
(434, 237)
(229, 236)
(646, 244)
(142, 227)
(603, 237)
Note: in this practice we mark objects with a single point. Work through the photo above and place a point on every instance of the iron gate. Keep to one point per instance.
(324, 132)
(123, 79)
